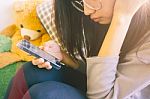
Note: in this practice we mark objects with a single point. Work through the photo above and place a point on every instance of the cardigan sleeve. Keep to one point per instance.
(108, 79)
(101, 75)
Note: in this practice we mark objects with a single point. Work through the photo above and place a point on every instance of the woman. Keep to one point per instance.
(82, 37)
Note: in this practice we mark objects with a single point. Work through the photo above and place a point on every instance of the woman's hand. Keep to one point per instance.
(127, 7)
(53, 49)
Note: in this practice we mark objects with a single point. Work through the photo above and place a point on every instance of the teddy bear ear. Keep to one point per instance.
(18, 6)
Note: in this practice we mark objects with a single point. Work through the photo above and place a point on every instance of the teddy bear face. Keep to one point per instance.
(27, 20)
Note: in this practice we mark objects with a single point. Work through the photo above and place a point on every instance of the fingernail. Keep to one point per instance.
(41, 47)
(49, 67)
(41, 60)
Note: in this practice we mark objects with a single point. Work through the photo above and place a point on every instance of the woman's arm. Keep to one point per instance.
(102, 82)
(101, 70)
(115, 36)
(123, 13)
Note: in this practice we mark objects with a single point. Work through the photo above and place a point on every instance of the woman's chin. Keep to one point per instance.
(104, 22)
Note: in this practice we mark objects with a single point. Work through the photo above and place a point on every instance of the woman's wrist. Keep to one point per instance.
(69, 61)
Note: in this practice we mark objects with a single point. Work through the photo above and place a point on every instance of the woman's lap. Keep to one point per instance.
(30, 75)
(66, 75)
(34, 75)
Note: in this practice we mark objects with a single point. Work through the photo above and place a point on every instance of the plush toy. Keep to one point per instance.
(27, 26)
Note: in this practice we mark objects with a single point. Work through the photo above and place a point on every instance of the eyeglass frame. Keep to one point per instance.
(81, 4)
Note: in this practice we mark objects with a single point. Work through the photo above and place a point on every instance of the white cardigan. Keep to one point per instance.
(109, 79)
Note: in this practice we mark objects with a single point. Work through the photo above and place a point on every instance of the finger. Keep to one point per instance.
(48, 65)
(41, 65)
(41, 47)
(45, 65)
(38, 61)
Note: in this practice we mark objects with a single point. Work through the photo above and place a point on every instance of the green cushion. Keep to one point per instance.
(5, 43)
(5, 76)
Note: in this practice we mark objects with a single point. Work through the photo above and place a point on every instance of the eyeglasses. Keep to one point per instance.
(92, 4)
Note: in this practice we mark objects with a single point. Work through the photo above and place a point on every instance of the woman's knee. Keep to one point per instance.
(19, 80)
(34, 75)
(28, 66)
(53, 90)
(17, 86)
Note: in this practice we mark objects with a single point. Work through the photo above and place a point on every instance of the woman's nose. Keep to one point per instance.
(88, 11)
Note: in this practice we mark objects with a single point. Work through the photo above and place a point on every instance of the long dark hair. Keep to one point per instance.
(70, 24)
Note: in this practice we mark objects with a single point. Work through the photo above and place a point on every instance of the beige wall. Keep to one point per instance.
(6, 13)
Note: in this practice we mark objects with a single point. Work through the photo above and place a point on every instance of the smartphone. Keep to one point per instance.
(29, 48)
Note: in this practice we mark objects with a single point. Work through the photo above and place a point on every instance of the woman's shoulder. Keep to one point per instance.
(138, 58)
(134, 68)
(142, 47)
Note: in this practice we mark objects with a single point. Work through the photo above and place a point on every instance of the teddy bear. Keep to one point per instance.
(27, 26)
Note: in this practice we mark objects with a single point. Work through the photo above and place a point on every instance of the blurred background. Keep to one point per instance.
(6, 13)
(6, 19)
